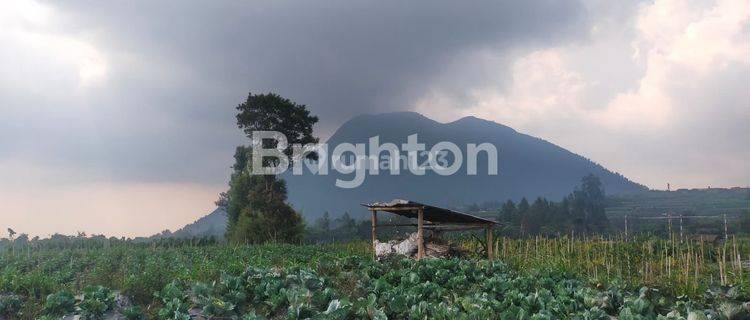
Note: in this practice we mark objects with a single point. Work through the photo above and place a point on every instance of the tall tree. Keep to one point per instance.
(535, 218)
(588, 205)
(508, 211)
(523, 212)
(346, 224)
(324, 223)
(256, 205)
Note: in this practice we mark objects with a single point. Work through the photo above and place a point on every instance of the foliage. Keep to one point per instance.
(256, 205)
(60, 303)
(174, 301)
(271, 112)
(542, 279)
(97, 300)
(133, 313)
(583, 211)
(434, 289)
(10, 305)
(346, 229)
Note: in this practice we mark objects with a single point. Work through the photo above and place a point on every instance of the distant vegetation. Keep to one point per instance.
(213, 225)
(581, 212)
(713, 201)
(544, 217)
(703, 210)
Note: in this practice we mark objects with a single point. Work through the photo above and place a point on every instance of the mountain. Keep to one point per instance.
(212, 225)
(528, 167)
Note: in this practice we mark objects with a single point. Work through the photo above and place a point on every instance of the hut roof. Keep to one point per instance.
(433, 214)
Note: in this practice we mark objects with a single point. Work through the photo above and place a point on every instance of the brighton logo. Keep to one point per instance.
(270, 148)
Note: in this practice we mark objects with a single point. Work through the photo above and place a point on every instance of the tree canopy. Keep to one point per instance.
(256, 204)
(583, 211)
(271, 112)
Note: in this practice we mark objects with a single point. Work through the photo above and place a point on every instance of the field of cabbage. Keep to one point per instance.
(340, 281)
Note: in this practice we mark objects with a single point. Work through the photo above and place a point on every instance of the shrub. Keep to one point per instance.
(97, 300)
(10, 305)
(59, 304)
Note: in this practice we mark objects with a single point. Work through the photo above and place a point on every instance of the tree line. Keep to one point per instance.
(581, 212)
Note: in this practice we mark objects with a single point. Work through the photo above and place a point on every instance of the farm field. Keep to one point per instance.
(715, 201)
(532, 279)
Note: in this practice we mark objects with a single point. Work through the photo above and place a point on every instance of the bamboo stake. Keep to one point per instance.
(420, 234)
(374, 232)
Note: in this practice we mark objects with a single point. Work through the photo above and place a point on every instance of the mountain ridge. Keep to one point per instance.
(529, 167)
(213, 224)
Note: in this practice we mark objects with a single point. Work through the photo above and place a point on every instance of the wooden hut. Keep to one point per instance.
(430, 217)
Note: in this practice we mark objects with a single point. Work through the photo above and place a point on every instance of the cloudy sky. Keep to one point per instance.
(118, 117)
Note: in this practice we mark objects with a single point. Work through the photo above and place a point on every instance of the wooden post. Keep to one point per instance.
(490, 244)
(726, 229)
(420, 234)
(681, 228)
(669, 217)
(374, 231)
(626, 227)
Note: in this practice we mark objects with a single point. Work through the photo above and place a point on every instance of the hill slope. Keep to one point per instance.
(528, 167)
(212, 225)
(709, 202)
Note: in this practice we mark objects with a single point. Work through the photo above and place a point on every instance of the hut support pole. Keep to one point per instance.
(420, 234)
(490, 244)
(374, 231)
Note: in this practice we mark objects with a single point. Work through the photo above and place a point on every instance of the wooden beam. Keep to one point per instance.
(460, 225)
(398, 225)
(428, 224)
(374, 232)
(449, 229)
(395, 208)
(420, 234)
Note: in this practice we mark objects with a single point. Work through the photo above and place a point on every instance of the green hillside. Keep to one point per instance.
(703, 211)
(683, 201)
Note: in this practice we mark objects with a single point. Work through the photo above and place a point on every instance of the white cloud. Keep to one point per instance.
(37, 57)
(680, 44)
(622, 97)
(540, 87)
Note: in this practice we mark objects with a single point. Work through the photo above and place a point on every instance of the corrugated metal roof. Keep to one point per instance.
(431, 213)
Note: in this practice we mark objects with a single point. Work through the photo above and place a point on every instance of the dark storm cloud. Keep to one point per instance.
(339, 56)
(177, 69)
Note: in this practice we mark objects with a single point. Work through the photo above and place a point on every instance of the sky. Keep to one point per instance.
(118, 117)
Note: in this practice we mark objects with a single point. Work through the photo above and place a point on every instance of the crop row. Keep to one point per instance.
(323, 282)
